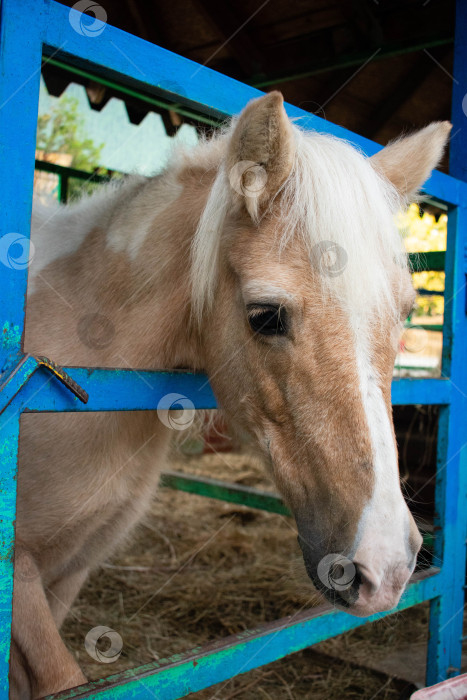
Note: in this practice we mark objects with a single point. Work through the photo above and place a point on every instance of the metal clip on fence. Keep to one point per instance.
(23, 371)
(65, 378)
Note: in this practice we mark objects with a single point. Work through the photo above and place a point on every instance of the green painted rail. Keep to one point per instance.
(236, 493)
(45, 166)
(438, 327)
(427, 262)
(224, 491)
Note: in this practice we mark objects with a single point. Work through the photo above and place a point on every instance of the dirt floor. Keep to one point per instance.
(198, 570)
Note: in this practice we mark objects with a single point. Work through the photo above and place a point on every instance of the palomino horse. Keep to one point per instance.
(268, 258)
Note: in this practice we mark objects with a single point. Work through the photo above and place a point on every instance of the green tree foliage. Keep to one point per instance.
(61, 130)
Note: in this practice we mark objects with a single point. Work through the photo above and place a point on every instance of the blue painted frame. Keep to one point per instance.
(30, 29)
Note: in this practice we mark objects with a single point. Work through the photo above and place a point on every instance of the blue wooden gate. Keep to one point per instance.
(33, 31)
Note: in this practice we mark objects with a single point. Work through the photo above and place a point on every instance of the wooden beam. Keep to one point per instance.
(234, 35)
(386, 110)
(398, 97)
(364, 24)
(356, 58)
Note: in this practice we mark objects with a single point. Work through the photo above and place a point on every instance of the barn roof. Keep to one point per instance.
(377, 67)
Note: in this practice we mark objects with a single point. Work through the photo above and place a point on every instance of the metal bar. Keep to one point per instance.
(223, 491)
(9, 437)
(405, 392)
(431, 261)
(437, 327)
(429, 293)
(457, 310)
(416, 368)
(47, 167)
(458, 150)
(115, 390)
(446, 611)
(12, 383)
(20, 61)
(236, 493)
(20, 58)
(133, 390)
(202, 667)
(120, 57)
(63, 189)
(59, 188)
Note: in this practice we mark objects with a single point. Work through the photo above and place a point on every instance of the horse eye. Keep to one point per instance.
(267, 319)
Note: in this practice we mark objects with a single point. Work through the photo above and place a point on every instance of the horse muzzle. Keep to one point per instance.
(352, 586)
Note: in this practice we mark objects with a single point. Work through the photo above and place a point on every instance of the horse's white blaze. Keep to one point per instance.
(383, 531)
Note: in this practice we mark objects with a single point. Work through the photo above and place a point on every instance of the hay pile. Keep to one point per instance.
(198, 570)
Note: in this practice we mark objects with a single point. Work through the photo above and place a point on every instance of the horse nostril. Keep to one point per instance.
(366, 579)
(337, 572)
(348, 580)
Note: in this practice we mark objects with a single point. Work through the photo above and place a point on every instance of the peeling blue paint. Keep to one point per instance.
(11, 335)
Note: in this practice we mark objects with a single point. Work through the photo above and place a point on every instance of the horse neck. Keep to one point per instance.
(133, 269)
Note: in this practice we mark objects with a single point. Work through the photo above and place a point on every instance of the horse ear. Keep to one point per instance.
(408, 162)
(261, 152)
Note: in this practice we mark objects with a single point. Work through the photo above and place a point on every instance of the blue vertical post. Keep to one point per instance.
(458, 154)
(446, 612)
(20, 63)
(9, 434)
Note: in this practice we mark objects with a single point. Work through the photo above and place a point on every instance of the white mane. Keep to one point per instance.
(333, 194)
(334, 200)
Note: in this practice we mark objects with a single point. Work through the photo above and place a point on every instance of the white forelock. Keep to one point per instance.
(340, 207)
